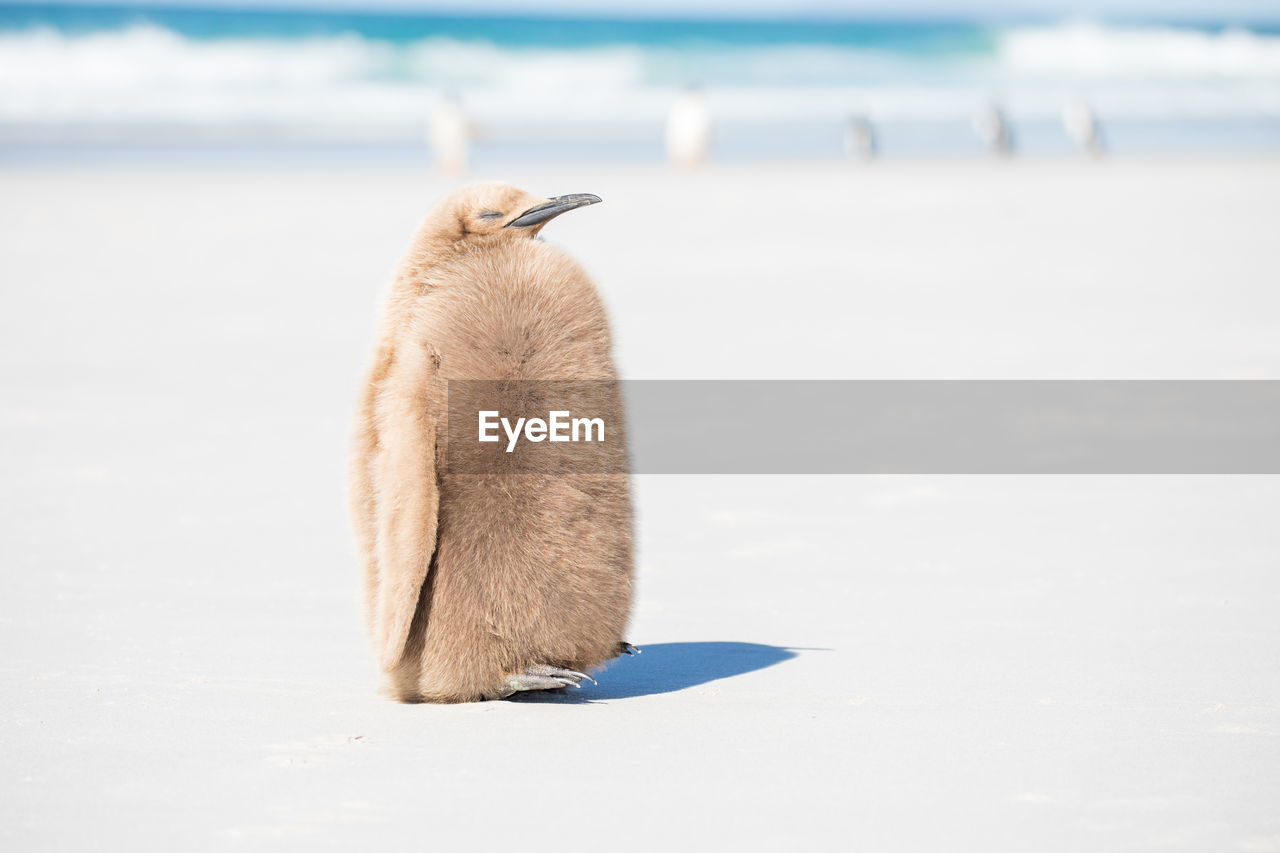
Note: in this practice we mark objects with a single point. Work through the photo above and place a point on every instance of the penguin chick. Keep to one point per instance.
(478, 586)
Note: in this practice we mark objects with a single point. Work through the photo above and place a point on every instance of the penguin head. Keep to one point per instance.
(501, 211)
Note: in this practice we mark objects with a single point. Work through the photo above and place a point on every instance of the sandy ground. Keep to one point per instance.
(874, 663)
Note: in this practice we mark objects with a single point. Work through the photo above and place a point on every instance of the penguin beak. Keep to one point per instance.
(550, 210)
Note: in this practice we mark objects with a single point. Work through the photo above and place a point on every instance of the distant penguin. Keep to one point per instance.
(1082, 125)
(688, 130)
(859, 138)
(993, 129)
(449, 135)
(482, 585)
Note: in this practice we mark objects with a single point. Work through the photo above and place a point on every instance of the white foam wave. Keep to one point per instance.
(1085, 49)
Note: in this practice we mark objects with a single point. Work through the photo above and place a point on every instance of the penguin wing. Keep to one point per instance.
(362, 501)
(407, 496)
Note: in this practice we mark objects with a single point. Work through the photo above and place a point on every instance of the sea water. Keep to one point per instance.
(324, 83)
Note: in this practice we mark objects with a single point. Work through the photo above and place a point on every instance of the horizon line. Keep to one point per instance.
(978, 14)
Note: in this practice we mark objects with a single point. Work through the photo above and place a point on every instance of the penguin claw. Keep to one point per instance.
(587, 677)
(625, 648)
(556, 672)
(543, 678)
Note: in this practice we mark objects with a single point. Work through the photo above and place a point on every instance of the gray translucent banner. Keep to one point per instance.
(866, 427)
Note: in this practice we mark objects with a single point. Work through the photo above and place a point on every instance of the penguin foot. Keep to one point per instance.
(625, 648)
(543, 678)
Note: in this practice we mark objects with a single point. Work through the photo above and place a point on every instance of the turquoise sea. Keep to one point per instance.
(77, 79)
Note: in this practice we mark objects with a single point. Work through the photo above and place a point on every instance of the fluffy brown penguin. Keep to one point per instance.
(481, 585)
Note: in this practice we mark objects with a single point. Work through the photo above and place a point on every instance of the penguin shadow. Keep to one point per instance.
(666, 668)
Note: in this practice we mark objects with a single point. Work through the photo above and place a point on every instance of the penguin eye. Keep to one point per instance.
(491, 214)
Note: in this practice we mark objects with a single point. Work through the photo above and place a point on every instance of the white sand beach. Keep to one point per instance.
(1038, 663)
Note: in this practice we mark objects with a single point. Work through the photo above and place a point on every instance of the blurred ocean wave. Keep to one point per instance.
(93, 74)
